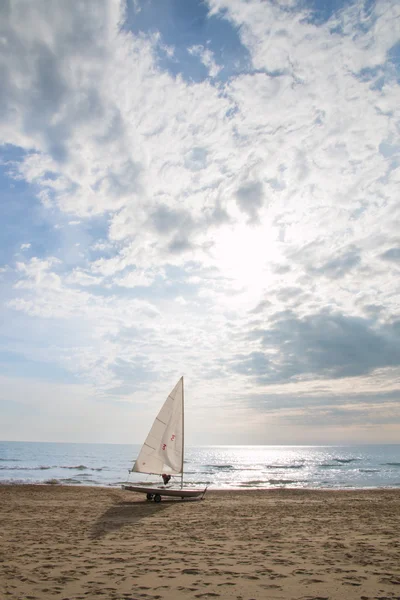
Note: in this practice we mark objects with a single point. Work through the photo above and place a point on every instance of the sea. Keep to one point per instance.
(219, 467)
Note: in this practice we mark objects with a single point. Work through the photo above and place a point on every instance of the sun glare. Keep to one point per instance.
(244, 253)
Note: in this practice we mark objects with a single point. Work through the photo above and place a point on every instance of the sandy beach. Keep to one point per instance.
(76, 543)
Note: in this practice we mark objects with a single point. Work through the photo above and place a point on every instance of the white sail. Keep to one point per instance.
(162, 452)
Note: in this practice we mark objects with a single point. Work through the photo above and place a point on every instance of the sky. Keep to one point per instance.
(207, 188)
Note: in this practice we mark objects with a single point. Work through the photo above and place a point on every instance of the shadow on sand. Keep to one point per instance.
(126, 513)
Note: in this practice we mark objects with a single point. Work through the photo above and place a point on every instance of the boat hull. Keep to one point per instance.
(177, 493)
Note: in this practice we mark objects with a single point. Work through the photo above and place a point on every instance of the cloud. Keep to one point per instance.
(250, 199)
(356, 415)
(79, 277)
(167, 220)
(392, 255)
(207, 58)
(339, 266)
(320, 346)
(239, 226)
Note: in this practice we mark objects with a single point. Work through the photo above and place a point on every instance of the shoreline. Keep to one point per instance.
(76, 542)
(210, 489)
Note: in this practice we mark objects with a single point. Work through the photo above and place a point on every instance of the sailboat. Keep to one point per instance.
(163, 450)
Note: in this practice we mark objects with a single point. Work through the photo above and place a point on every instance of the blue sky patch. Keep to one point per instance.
(184, 24)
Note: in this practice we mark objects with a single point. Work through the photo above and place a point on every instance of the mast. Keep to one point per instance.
(183, 430)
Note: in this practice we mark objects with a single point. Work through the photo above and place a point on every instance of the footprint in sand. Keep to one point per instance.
(190, 572)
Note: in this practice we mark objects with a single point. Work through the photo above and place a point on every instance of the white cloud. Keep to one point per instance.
(79, 277)
(216, 205)
(207, 58)
(138, 278)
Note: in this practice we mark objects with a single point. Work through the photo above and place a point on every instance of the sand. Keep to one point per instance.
(79, 543)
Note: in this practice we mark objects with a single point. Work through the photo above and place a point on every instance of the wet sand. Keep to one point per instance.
(81, 543)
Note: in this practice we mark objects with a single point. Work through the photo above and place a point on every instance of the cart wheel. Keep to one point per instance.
(149, 496)
(157, 498)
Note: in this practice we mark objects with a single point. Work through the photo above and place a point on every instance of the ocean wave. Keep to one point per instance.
(284, 466)
(47, 467)
(247, 468)
(16, 481)
(10, 459)
(198, 483)
(253, 483)
(283, 481)
(392, 464)
(83, 468)
(231, 468)
(41, 468)
(369, 470)
(338, 462)
(76, 467)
